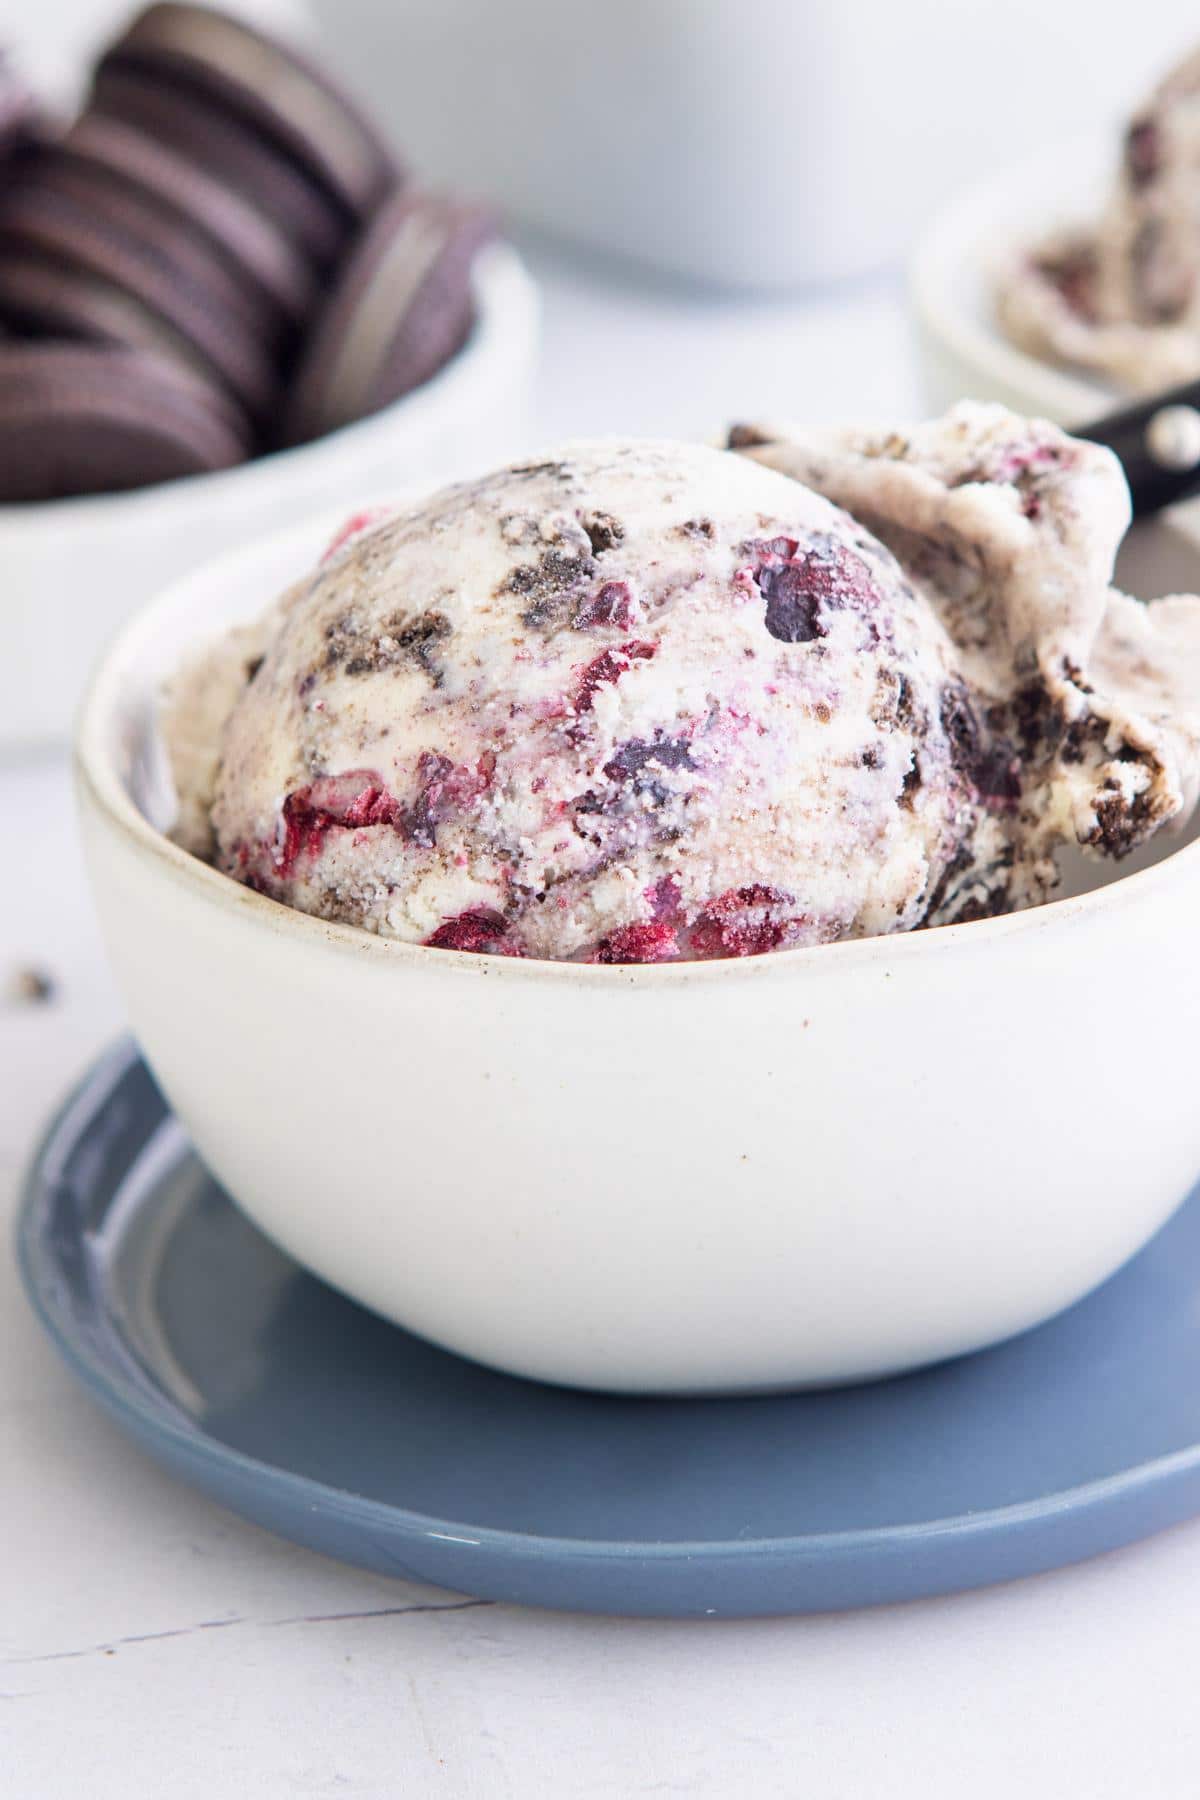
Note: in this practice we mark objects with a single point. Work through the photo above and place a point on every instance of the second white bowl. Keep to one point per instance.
(952, 287)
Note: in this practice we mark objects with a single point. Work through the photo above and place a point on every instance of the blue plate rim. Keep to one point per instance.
(151, 1420)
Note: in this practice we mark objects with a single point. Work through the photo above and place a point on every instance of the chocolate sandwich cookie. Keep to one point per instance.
(269, 87)
(17, 109)
(79, 419)
(227, 152)
(34, 217)
(176, 198)
(139, 225)
(41, 299)
(401, 308)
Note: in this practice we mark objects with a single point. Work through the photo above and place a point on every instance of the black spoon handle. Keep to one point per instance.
(1158, 444)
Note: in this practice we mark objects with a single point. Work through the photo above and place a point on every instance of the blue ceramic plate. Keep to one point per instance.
(254, 1381)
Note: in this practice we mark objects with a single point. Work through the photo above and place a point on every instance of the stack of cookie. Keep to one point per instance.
(218, 258)
(17, 111)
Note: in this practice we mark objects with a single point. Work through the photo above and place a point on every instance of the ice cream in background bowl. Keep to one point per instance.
(1119, 295)
(661, 996)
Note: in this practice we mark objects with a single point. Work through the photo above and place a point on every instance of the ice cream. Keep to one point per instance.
(1009, 529)
(640, 701)
(1121, 295)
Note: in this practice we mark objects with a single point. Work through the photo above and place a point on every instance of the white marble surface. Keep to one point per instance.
(151, 1643)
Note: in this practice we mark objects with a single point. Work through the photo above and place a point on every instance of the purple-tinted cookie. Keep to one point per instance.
(227, 151)
(268, 86)
(166, 245)
(400, 310)
(176, 199)
(59, 229)
(81, 419)
(41, 299)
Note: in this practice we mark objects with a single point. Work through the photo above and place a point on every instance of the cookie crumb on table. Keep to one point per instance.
(29, 986)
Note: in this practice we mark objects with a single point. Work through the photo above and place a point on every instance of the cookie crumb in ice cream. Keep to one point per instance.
(743, 437)
(603, 531)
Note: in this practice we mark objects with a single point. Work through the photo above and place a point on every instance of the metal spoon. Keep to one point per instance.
(1158, 444)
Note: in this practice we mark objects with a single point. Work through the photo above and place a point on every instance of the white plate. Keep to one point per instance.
(951, 276)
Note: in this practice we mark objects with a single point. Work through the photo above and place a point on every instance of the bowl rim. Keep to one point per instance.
(950, 246)
(506, 300)
(100, 783)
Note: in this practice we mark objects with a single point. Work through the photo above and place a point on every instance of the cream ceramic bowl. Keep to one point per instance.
(951, 286)
(807, 1167)
(72, 571)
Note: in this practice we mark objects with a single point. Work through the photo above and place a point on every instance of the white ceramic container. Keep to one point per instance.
(72, 571)
(806, 1167)
(952, 286)
(751, 143)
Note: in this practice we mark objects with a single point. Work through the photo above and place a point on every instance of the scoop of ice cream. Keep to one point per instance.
(1009, 529)
(1121, 295)
(631, 702)
(641, 701)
